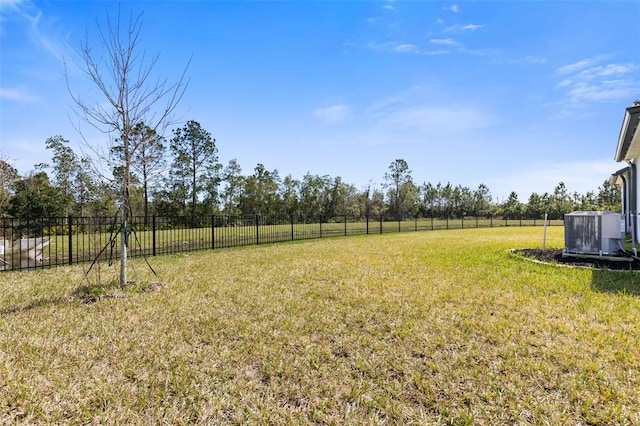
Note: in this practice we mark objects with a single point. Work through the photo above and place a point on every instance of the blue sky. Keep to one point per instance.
(516, 95)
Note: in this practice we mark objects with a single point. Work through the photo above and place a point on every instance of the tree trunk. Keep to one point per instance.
(123, 255)
(126, 206)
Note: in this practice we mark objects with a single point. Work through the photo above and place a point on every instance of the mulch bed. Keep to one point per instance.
(556, 256)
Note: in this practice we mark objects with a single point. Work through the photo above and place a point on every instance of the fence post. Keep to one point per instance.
(70, 219)
(462, 223)
(153, 235)
(447, 222)
(432, 222)
(257, 229)
(381, 223)
(345, 225)
(399, 223)
(292, 232)
(367, 224)
(213, 232)
(320, 226)
(415, 223)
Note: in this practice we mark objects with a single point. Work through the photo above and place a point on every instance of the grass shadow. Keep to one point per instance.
(88, 294)
(85, 294)
(35, 304)
(616, 282)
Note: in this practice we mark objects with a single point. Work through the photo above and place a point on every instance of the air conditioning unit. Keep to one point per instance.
(599, 233)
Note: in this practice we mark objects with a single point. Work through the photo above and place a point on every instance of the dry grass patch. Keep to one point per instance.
(433, 327)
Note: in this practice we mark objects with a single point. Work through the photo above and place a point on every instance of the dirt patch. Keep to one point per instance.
(557, 256)
(89, 299)
(92, 294)
(155, 286)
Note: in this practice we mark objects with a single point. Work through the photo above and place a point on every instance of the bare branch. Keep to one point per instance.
(123, 74)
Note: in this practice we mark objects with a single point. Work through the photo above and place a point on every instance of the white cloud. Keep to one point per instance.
(535, 59)
(45, 40)
(468, 27)
(589, 81)
(453, 8)
(37, 29)
(471, 27)
(607, 70)
(394, 47)
(17, 94)
(603, 91)
(437, 119)
(10, 5)
(406, 48)
(571, 68)
(444, 42)
(413, 117)
(333, 114)
(392, 101)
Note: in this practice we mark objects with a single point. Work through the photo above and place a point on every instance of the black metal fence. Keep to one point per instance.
(53, 241)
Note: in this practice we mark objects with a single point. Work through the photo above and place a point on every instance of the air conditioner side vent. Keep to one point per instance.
(593, 232)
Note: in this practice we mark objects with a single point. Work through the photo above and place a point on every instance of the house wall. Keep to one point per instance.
(628, 151)
(630, 192)
(634, 191)
(623, 179)
(625, 192)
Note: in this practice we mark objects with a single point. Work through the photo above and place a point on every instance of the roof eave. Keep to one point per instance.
(629, 138)
(619, 177)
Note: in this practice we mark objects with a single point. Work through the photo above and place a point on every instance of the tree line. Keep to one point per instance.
(181, 176)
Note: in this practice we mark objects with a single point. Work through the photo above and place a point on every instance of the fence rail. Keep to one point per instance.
(54, 241)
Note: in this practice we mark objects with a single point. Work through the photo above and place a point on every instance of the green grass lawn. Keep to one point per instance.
(437, 327)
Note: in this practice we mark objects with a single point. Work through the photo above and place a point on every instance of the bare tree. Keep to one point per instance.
(130, 95)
